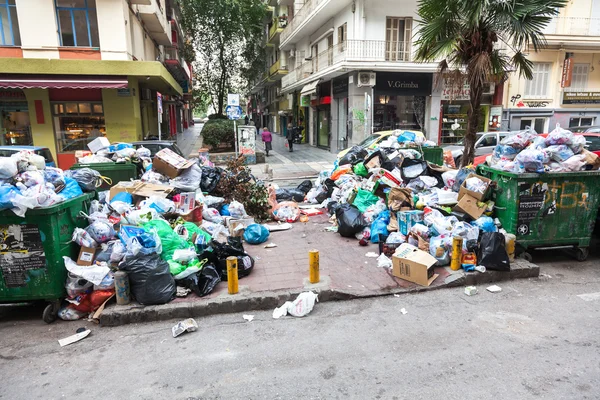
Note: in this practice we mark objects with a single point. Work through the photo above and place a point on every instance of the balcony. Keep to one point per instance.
(142, 2)
(277, 26)
(156, 22)
(352, 53)
(572, 30)
(277, 70)
(176, 65)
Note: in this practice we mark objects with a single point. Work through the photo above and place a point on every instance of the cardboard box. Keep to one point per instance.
(479, 196)
(187, 202)
(86, 256)
(98, 144)
(169, 163)
(141, 189)
(407, 219)
(414, 265)
(468, 205)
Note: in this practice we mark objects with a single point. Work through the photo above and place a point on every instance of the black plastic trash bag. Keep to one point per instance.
(150, 280)
(305, 186)
(210, 179)
(492, 252)
(355, 155)
(290, 195)
(326, 191)
(350, 220)
(202, 282)
(412, 169)
(332, 206)
(233, 248)
(87, 178)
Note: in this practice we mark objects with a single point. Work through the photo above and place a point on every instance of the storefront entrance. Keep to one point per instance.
(14, 123)
(323, 121)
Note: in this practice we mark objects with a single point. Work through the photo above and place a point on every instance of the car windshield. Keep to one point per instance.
(46, 154)
(6, 153)
(462, 141)
(369, 140)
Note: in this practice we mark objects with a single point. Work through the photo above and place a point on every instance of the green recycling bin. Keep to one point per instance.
(32, 250)
(550, 210)
(117, 172)
(434, 155)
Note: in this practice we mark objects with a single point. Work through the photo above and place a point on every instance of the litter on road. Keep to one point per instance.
(187, 325)
(494, 289)
(82, 333)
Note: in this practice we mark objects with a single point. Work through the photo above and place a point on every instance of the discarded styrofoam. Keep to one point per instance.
(494, 289)
(300, 307)
(248, 317)
(470, 290)
(74, 338)
(187, 325)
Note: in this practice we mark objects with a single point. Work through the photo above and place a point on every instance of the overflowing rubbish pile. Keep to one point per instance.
(559, 151)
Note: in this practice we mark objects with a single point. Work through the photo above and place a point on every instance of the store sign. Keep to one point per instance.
(340, 86)
(304, 101)
(403, 84)
(581, 98)
(567, 73)
(12, 95)
(159, 103)
(124, 92)
(453, 92)
(495, 118)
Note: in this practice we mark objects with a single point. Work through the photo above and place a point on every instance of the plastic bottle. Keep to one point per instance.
(457, 244)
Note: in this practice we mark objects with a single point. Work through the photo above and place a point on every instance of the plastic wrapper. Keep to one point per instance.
(559, 136)
(475, 184)
(486, 224)
(286, 211)
(150, 280)
(379, 231)
(160, 204)
(189, 180)
(532, 160)
(94, 159)
(578, 143)
(152, 176)
(575, 163)
(237, 210)
(55, 176)
(69, 313)
(212, 215)
(395, 238)
(8, 167)
(87, 178)
(256, 234)
(101, 232)
(559, 153)
(184, 255)
(505, 151)
(373, 211)
(170, 241)
(76, 285)
(31, 178)
(440, 247)
(143, 152)
(519, 140)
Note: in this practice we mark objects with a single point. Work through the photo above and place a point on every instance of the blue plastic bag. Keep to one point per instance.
(486, 224)
(7, 193)
(256, 234)
(379, 231)
(71, 189)
(225, 210)
(406, 136)
(124, 197)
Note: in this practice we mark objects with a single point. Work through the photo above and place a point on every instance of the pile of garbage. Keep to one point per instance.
(559, 151)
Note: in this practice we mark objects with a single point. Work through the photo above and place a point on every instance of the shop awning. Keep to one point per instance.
(310, 88)
(50, 82)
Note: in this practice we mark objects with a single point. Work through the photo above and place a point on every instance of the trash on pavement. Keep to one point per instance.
(270, 246)
(187, 325)
(74, 338)
(414, 265)
(470, 290)
(300, 307)
(248, 317)
(403, 311)
(494, 289)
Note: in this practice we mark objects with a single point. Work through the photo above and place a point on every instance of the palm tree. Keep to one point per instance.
(468, 36)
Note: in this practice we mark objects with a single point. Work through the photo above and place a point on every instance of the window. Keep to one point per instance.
(397, 39)
(77, 23)
(579, 79)
(77, 123)
(342, 32)
(9, 24)
(538, 124)
(581, 121)
(538, 86)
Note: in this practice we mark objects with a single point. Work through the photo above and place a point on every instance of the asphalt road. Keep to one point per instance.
(536, 339)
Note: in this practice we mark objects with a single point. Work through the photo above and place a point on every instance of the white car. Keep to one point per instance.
(486, 141)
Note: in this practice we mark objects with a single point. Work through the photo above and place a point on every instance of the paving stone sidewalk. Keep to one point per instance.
(281, 273)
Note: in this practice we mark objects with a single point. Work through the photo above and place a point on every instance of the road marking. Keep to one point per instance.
(589, 296)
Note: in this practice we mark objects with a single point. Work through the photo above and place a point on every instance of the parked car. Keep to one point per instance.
(372, 141)
(7, 151)
(485, 143)
(157, 145)
(586, 129)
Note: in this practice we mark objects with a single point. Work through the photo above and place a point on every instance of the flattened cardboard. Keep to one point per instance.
(468, 205)
(479, 196)
(121, 187)
(169, 163)
(86, 256)
(151, 189)
(414, 265)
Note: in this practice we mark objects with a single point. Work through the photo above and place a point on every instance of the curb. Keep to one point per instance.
(245, 300)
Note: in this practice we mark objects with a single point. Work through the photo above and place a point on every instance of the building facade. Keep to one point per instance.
(73, 70)
(565, 88)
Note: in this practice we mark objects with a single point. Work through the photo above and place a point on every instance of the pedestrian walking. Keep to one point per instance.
(290, 136)
(246, 120)
(267, 138)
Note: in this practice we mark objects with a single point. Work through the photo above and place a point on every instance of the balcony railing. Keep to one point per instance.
(574, 26)
(277, 25)
(277, 66)
(351, 50)
(300, 16)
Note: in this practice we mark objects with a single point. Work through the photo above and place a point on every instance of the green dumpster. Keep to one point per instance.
(117, 172)
(547, 210)
(32, 250)
(434, 155)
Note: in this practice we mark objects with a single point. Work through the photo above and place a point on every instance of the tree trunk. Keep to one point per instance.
(474, 117)
(221, 95)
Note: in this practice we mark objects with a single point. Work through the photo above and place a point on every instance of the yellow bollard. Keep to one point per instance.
(510, 246)
(313, 266)
(232, 275)
(456, 261)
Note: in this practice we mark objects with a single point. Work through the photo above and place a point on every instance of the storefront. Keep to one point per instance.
(454, 113)
(323, 115)
(77, 121)
(340, 112)
(14, 123)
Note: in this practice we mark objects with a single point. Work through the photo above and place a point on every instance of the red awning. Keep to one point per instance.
(30, 82)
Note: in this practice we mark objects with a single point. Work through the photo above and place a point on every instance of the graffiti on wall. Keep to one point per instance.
(517, 102)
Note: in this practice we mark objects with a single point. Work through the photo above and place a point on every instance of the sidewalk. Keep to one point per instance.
(281, 273)
(189, 141)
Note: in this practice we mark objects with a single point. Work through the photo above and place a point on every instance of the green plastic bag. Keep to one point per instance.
(364, 199)
(360, 170)
(169, 239)
(193, 228)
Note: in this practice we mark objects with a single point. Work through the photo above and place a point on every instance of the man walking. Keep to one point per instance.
(267, 138)
(290, 136)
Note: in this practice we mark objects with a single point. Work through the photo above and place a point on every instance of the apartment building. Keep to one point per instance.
(565, 88)
(72, 70)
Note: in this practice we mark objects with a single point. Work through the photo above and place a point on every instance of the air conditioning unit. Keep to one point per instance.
(366, 79)
(489, 89)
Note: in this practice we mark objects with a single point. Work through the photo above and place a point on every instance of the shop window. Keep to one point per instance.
(399, 112)
(538, 124)
(538, 86)
(15, 125)
(398, 32)
(579, 80)
(580, 121)
(77, 124)
(77, 23)
(9, 24)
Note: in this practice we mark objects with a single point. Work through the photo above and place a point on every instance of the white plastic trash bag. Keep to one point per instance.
(92, 273)
(300, 307)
